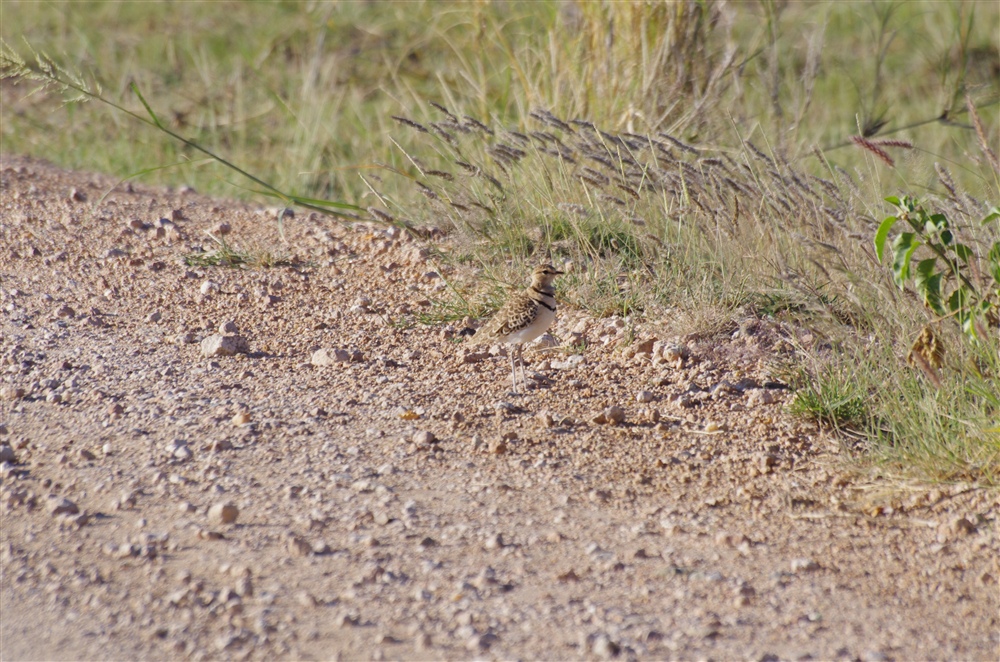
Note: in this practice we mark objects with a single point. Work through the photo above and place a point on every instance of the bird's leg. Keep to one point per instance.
(513, 372)
(520, 359)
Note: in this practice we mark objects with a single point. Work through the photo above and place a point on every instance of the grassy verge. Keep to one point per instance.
(713, 164)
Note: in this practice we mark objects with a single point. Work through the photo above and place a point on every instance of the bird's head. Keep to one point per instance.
(544, 274)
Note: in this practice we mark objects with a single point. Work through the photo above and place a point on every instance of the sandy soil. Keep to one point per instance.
(398, 502)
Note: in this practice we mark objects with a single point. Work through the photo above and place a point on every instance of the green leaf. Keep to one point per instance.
(893, 200)
(958, 302)
(928, 284)
(883, 233)
(992, 216)
(156, 120)
(902, 248)
(994, 258)
(968, 325)
(964, 252)
(319, 202)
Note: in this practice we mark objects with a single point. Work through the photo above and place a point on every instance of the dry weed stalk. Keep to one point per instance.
(984, 144)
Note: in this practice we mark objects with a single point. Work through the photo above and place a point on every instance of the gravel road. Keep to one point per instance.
(218, 463)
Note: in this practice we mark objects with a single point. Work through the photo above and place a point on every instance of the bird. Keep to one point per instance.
(525, 316)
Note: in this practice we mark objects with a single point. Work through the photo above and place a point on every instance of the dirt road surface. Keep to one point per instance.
(389, 498)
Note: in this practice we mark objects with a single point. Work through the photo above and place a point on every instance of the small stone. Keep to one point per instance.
(87, 455)
(7, 454)
(363, 486)
(614, 415)
(205, 534)
(730, 540)
(569, 363)
(547, 340)
(154, 317)
(760, 396)
(423, 641)
(209, 287)
(78, 520)
(804, 565)
(472, 357)
(186, 507)
(766, 461)
(424, 438)
(673, 353)
(346, 620)
(714, 427)
(219, 445)
(481, 642)
(962, 526)
(244, 587)
(61, 506)
(602, 646)
(115, 410)
(222, 229)
(645, 347)
(241, 418)
(219, 345)
(494, 541)
(644, 396)
(172, 448)
(228, 327)
(298, 547)
(188, 338)
(223, 513)
(305, 599)
(12, 393)
(325, 357)
(497, 447)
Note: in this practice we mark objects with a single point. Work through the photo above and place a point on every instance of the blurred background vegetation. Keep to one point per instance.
(303, 95)
(303, 92)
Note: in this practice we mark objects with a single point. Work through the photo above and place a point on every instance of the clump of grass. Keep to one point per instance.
(226, 255)
(837, 398)
(941, 431)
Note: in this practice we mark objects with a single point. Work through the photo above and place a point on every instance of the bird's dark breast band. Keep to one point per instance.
(545, 305)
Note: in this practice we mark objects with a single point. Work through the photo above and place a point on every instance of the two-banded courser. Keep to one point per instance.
(526, 315)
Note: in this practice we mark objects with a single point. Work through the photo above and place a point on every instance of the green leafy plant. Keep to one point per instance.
(946, 275)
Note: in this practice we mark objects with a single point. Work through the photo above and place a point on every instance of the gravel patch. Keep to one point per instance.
(202, 462)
